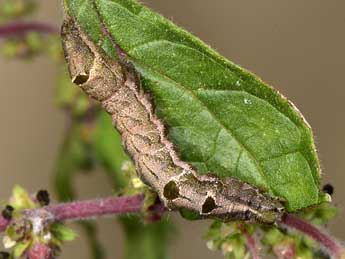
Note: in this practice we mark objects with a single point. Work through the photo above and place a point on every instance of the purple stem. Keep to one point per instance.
(333, 247)
(251, 244)
(89, 208)
(22, 28)
(40, 251)
(80, 210)
(98, 207)
(3, 223)
(129, 204)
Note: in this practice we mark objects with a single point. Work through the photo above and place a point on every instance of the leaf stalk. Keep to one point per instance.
(21, 28)
(333, 247)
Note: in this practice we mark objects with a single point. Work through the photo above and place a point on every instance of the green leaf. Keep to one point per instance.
(91, 230)
(63, 233)
(72, 157)
(21, 199)
(189, 215)
(146, 241)
(221, 118)
(14, 9)
(65, 91)
(20, 248)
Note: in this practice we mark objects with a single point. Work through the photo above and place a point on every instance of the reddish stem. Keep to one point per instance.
(90, 208)
(251, 243)
(22, 28)
(120, 205)
(40, 251)
(98, 207)
(333, 247)
(80, 210)
(3, 223)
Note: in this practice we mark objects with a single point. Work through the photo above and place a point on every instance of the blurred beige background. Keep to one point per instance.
(297, 46)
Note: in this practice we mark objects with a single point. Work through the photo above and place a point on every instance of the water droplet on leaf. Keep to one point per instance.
(247, 101)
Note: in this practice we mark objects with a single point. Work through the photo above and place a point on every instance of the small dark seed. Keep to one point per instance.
(4, 255)
(43, 197)
(7, 212)
(328, 188)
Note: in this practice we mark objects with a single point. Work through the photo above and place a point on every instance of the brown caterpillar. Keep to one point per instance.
(117, 88)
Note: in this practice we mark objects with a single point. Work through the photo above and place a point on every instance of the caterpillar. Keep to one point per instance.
(116, 86)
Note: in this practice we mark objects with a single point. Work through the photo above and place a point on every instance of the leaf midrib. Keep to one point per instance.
(251, 155)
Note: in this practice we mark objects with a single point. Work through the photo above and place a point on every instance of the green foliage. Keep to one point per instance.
(20, 199)
(146, 241)
(63, 233)
(230, 239)
(221, 118)
(10, 9)
(22, 235)
(19, 249)
(227, 238)
(73, 156)
(31, 45)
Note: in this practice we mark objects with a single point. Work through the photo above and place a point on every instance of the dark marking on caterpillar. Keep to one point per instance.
(171, 191)
(118, 89)
(328, 188)
(209, 205)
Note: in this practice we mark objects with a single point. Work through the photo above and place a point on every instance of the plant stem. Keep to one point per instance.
(81, 210)
(251, 244)
(22, 28)
(96, 208)
(40, 251)
(3, 223)
(332, 246)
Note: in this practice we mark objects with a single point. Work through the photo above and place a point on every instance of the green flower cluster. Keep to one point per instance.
(32, 44)
(25, 40)
(27, 231)
(231, 240)
(10, 9)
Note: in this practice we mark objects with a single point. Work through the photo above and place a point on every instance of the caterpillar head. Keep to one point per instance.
(88, 65)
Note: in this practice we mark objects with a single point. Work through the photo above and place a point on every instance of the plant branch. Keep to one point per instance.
(22, 28)
(87, 209)
(81, 210)
(251, 244)
(333, 247)
(3, 223)
(98, 207)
